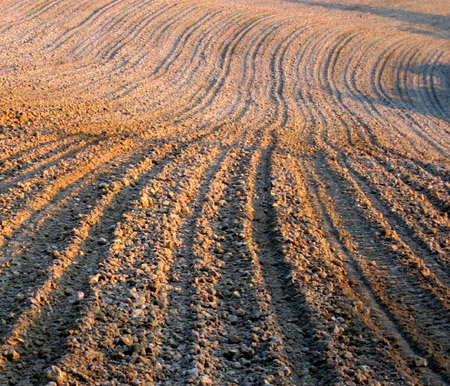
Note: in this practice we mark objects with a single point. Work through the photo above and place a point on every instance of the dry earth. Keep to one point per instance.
(226, 192)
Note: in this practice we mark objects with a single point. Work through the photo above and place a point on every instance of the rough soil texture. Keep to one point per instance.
(228, 192)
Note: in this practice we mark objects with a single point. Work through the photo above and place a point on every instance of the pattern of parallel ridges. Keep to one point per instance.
(265, 89)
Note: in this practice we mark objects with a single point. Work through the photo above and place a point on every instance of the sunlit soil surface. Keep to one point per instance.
(227, 192)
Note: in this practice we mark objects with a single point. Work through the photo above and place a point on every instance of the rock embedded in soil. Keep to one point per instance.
(102, 241)
(55, 374)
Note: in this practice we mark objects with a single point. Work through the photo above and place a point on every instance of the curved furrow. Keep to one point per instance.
(296, 113)
(402, 81)
(216, 81)
(374, 103)
(330, 44)
(184, 73)
(317, 93)
(128, 25)
(90, 19)
(330, 74)
(415, 92)
(161, 20)
(278, 81)
(102, 52)
(334, 86)
(412, 92)
(167, 59)
(182, 29)
(242, 109)
(348, 91)
(251, 73)
(52, 21)
(399, 86)
(35, 12)
(305, 88)
(377, 99)
(170, 59)
(205, 37)
(147, 23)
(277, 118)
(53, 48)
(181, 42)
(429, 87)
(438, 89)
(183, 80)
(407, 288)
(152, 30)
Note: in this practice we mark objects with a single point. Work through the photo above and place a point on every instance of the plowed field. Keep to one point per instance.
(226, 192)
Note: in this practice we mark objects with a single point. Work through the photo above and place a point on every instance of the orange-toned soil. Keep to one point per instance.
(227, 192)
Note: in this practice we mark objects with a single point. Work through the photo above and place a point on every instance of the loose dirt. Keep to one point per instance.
(224, 192)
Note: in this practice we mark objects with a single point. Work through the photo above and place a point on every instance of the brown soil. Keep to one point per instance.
(225, 192)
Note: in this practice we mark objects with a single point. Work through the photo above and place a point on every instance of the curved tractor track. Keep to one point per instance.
(225, 192)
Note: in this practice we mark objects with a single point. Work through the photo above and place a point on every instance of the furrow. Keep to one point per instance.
(363, 278)
(231, 300)
(31, 161)
(73, 171)
(55, 303)
(417, 293)
(64, 236)
(142, 254)
(339, 344)
(414, 218)
(288, 305)
(16, 194)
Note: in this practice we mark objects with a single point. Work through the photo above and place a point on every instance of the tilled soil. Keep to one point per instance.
(224, 192)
